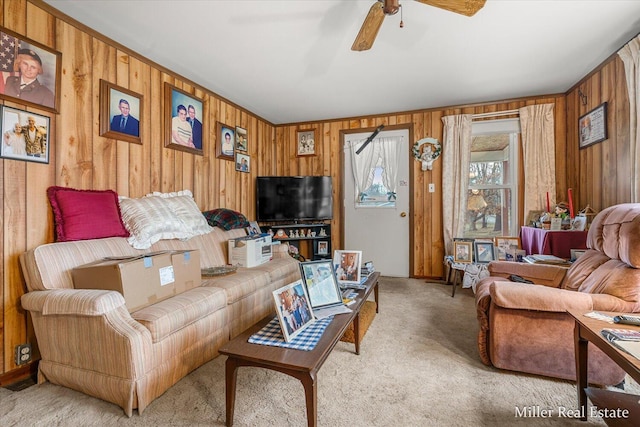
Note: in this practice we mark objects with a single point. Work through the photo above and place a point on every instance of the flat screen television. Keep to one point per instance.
(294, 198)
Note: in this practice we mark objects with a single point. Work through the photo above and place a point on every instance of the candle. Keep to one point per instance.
(548, 204)
(570, 203)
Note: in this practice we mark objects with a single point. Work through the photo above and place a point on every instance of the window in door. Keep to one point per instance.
(493, 180)
(377, 195)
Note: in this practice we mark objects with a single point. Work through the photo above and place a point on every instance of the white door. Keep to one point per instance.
(381, 233)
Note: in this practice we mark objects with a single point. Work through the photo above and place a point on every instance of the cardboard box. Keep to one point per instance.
(142, 280)
(186, 268)
(250, 251)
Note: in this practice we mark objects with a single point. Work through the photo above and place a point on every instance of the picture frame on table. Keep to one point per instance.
(505, 243)
(322, 285)
(41, 65)
(25, 135)
(183, 120)
(592, 126)
(347, 265)
(120, 113)
(323, 247)
(483, 252)
(306, 142)
(533, 217)
(225, 147)
(243, 163)
(293, 308)
(462, 251)
(579, 223)
(241, 139)
(253, 229)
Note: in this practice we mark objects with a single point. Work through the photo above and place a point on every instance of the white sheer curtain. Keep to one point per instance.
(630, 55)
(539, 156)
(385, 150)
(456, 154)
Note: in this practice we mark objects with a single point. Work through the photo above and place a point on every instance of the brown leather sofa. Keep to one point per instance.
(525, 327)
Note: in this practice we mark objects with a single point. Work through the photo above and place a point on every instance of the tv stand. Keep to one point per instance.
(313, 240)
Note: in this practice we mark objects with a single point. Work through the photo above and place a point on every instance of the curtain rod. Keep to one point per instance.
(495, 114)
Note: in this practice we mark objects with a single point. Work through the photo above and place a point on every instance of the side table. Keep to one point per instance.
(467, 274)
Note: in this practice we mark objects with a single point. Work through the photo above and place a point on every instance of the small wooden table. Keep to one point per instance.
(588, 330)
(303, 365)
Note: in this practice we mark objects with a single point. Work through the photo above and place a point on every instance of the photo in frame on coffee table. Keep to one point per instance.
(293, 309)
(347, 265)
(322, 286)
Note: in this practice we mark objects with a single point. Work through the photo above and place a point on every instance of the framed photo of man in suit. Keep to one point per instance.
(120, 113)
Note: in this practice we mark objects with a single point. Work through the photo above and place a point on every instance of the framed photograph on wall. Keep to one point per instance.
(347, 265)
(120, 113)
(225, 147)
(183, 120)
(462, 251)
(31, 71)
(592, 126)
(306, 142)
(243, 163)
(241, 139)
(293, 308)
(25, 135)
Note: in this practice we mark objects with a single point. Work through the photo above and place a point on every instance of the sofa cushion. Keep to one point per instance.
(244, 282)
(226, 219)
(171, 315)
(85, 214)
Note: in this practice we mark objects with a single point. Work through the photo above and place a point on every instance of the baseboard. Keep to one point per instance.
(22, 373)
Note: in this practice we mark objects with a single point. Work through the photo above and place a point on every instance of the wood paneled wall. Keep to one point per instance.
(80, 158)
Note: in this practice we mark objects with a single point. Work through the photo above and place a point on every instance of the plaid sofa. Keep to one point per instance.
(90, 342)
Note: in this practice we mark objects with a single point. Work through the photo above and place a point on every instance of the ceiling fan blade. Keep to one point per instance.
(370, 28)
(463, 7)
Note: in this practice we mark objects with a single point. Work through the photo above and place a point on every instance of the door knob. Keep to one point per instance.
(403, 214)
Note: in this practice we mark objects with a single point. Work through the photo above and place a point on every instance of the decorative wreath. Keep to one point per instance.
(428, 155)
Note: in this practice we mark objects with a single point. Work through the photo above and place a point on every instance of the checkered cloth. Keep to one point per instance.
(271, 334)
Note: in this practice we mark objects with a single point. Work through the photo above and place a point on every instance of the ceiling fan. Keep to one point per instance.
(380, 8)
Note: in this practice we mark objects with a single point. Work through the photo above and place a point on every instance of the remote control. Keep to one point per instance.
(627, 320)
(519, 279)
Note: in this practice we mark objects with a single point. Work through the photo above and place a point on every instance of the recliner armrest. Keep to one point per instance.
(82, 302)
(548, 275)
(523, 296)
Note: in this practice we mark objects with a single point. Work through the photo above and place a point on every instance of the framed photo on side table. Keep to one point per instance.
(25, 135)
(462, 252)
(347, 266)
(484, 252)
(504, 244)
(183, 120)
(120, 113)
(293, 309)
(33, 72)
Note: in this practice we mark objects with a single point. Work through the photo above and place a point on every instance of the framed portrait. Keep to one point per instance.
(293, 309)
(241, 139)
(243, 163)
(31, 71)
(25, 135)
(504, 244)
(183, 120)
(120, 113)
(306, 143)
(533, 217)
(462, 251)
(253, 229)
(347, 265)
(579, 223)
(592, 127)
(323, 247)
(225, 147)
(483, 251)
(322, 286)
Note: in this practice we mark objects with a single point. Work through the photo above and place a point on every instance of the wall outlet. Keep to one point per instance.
(432, 187)
(23, 354)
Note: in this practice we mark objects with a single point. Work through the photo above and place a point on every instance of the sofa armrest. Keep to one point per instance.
(524, 296)
(548, 275)
(82, 302)
(280, 251)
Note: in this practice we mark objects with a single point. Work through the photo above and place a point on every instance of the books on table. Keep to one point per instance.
(627, 340)
(546, 259)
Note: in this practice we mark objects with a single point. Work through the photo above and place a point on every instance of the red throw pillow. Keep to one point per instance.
(85, 214)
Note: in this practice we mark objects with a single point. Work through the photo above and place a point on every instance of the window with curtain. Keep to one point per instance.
(492, 198)
(375, 172)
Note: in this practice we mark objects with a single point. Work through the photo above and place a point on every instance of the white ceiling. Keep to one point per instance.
(291, 60)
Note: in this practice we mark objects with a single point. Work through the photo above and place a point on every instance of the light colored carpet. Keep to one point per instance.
(418, 366)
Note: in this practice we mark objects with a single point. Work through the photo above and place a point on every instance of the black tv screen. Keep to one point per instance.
(294, 198)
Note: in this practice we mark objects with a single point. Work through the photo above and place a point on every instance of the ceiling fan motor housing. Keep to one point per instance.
(391, 7)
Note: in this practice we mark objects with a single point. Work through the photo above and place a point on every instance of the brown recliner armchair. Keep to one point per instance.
(525, 327)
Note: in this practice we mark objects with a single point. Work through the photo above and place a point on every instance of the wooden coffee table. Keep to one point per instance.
(303, 365)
